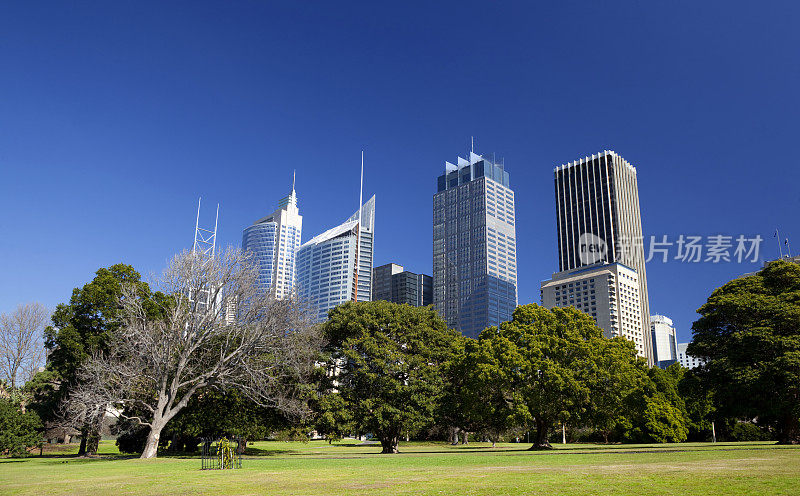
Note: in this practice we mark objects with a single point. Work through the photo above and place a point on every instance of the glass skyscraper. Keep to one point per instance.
(273, 241)
(336, 266)
(474, 245)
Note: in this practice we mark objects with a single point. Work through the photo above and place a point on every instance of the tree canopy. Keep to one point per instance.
(387, 363)
(749, 337)
(82, 329)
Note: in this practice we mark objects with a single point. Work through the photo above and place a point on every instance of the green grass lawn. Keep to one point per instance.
(423, 468)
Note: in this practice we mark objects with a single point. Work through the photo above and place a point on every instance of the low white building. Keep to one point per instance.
(685, 359)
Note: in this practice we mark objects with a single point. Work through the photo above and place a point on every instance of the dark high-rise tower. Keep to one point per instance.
(474, 245)
(391, 283)
(598, 218)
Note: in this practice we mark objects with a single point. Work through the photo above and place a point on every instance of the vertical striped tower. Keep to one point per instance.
(599, 196)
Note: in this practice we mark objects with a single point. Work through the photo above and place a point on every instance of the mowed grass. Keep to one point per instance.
(423, 468)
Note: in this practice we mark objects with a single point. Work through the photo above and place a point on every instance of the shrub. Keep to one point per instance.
(18, 431)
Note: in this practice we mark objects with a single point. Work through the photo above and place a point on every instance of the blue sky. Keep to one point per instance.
(116, 116)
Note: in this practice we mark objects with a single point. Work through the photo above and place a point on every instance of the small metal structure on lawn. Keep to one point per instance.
(220, 454)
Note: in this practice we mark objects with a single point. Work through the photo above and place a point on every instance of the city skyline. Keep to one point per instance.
(114, 129)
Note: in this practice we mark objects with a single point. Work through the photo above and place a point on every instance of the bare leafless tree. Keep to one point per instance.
(214, 329)
(21, 342)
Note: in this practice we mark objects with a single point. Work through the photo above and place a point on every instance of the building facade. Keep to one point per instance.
(685, 359)
(609, 293)
(336, 266)
(391, 283)
(598, 219)
(474, 245)
(273, 241)
(665, 343)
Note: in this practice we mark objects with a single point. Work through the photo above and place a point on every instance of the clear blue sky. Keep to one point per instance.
(116, 116)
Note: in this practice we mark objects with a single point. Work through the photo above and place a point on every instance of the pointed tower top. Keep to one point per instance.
(291, 198)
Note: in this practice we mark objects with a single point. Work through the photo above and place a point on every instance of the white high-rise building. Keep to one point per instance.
(685, 359)
(665, 343)
(609, 293)
(336, 266)
(273, 241)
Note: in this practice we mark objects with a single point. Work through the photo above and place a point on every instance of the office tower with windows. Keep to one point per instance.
(598, 219)
(665, 343)
(336, 266)
(687, 360)
(391, 283)
(474, 245)
(609, 293)
(273, 242)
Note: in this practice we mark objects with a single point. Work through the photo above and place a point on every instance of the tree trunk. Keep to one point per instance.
(92, 442)
(790, 431)
(541, 442)
(151, 446)
(389, 444)
(84, 435)
(465, 437)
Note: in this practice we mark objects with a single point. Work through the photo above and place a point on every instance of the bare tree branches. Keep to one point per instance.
(213, 329)
(21, 344)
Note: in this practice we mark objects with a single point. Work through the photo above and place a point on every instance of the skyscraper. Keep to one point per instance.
(336, 266)
(474, 245)
(273, 241)
(665, 343)
(598, 218)
(391, 283)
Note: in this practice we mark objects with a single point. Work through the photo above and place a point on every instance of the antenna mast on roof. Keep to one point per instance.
(358, 235)
(205, 240)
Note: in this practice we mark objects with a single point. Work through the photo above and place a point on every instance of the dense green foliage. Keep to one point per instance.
(389, 361)
(749, 336)
(82, 328)
(18, 431)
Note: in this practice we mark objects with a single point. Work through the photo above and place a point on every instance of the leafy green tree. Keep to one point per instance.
(749, 336)
(477, 396)
(389, 361)
(82, 328)
(332, 418)
(618, 377)
(41, 393)
(547, 356)
(663, 422)
(18, 431)
(215, 414)
(700, 410)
